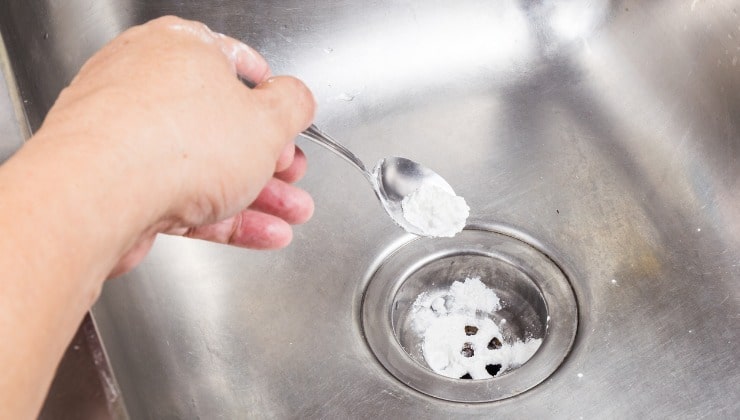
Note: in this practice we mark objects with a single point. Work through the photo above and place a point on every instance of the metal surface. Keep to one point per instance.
(392, 179)
(609, 131)
(84, 386)
(12, 128)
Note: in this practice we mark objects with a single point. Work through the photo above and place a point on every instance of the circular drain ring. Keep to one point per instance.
(378, 303)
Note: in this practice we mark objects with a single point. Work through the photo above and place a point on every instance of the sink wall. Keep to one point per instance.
(607, 131)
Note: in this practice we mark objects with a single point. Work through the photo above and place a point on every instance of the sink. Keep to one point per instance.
(605, 135)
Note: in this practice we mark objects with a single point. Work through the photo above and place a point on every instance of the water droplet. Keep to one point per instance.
(344, 96)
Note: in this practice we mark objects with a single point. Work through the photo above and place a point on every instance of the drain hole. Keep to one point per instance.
(494, 344)
(493, 369)
(467, 350)
(509, 299)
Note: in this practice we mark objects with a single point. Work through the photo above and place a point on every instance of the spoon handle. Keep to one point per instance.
(319, 137)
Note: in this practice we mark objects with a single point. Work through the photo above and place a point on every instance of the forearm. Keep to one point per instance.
(64, 224)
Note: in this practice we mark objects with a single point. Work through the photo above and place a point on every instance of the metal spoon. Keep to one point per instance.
(392, 179)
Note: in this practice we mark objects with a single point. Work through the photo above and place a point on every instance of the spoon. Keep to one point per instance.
(392, 179)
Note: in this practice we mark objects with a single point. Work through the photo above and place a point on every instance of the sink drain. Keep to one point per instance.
(418, 318)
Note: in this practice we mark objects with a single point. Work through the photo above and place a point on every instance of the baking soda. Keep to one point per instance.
(459, 336)
(435, 211)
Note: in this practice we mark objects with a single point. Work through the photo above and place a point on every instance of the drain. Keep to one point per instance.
(538, 309)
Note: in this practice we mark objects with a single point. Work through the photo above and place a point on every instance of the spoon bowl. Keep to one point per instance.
(395, 178)
(392, 178)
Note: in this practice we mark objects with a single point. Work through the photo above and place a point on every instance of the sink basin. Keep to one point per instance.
(606, 135)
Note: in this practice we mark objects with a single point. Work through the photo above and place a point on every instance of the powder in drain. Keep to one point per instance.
(459, 336)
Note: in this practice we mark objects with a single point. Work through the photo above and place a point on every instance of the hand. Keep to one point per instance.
(155, 134)
(210, 158)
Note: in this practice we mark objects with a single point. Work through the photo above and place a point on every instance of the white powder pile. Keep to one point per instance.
(435, 211)
(459, 337)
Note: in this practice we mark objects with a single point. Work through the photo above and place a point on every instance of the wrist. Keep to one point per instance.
(64, 224)
(75, 200)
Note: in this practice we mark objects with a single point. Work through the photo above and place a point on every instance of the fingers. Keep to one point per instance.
(297, 167)
(285, 201)
(266, 224)
(248, 229)
(288, 103)
(248, 63)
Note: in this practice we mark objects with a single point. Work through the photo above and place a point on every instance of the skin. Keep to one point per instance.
(154, 135)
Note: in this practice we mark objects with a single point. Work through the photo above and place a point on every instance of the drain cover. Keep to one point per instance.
(537, 307)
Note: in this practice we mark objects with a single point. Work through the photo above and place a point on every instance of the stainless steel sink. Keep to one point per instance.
(604, 134)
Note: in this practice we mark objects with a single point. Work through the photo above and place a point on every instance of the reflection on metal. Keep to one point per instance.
(13, 126)
(607, 130)
(84, 387)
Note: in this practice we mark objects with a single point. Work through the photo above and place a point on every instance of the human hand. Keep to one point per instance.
(203, 155)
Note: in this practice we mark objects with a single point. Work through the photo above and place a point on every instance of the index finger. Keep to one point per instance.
(248, 63)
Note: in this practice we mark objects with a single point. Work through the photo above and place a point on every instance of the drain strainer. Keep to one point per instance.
(537, 308)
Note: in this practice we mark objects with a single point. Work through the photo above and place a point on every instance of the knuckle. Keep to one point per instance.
(303, 100)
(167, 21)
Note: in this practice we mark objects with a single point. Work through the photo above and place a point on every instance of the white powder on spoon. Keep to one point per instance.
(460, 338)
(435, 211)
